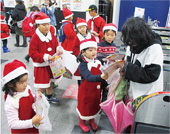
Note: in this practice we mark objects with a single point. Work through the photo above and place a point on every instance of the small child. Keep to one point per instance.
(96, 23)
(107, 47)
(5, 34)
(19, 99)
(68, 29)
(89, 92)
(43, 46)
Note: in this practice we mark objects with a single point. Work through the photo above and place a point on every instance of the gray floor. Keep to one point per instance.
(63, 117)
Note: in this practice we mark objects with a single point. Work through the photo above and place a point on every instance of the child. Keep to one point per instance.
(5, 34)
(19, 99)
(43, 46)
(90, 88)
(96, 23)
(107, 47)
(83, 33)
(68, 29)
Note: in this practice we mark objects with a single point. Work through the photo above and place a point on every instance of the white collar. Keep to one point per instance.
(88, 60)
(95, 16)
(19, 95)
(81, 37)
(43, 38)
(66, 21)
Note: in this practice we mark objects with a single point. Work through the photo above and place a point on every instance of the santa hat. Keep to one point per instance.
(40, 18)
(12, 70)
(2, 18)
(87, 43)
(80, 22)
(110, 26)
(67, 13)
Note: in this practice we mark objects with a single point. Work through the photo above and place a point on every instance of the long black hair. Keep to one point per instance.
(80, 56)
(136, 33)
(9, 88)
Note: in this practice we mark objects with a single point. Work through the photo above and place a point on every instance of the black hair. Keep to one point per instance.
(136, 32)
(9, 88)
(105, 31)
(34, 8)
(80, 56)
(88, 30)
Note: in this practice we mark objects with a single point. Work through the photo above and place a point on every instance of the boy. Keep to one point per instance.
(68, 29)
(96, 23)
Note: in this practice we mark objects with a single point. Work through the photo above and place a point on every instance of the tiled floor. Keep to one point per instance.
(63, 117)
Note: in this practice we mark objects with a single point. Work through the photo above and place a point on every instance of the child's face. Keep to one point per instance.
(22, 84)
(92, 13)
(90, 53)
(109, 36)
(44, 28)
(71, 18)
(82, 30)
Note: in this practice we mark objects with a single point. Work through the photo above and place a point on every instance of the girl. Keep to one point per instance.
(107, 47)
(19, 99)
(90, 88)
(43, 46)
(5, 34)
(83, 32)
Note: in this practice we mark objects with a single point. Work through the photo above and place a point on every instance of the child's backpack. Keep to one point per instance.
(28, 28)
(60, 33)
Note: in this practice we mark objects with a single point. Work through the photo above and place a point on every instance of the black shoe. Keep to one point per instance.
(27, 58)
(17, 45)
(53, 100)
(24, 45)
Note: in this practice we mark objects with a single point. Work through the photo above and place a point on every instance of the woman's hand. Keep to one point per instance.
(37, 119)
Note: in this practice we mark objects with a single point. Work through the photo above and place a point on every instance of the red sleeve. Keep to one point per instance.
(6, 29)
(34, 51)
(69, 30)
(89, 24)
(76, 47)
(101, 27)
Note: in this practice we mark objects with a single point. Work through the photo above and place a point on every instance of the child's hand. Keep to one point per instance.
(104, 76)
(37, 119)
(40, 94)
(60, 51)
(50, 58)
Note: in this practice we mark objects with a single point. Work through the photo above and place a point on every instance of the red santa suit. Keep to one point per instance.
(89, 92)
(5, 32)
(19, 112)
(40, 48)
(68, 29)
(99, 22)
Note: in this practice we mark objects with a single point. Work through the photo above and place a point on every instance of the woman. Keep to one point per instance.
(144, 65)
(49, 10)
(18, 15)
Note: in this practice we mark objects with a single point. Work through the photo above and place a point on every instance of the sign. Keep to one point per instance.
(9, 3)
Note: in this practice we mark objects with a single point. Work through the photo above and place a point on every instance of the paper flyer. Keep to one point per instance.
(57, 66)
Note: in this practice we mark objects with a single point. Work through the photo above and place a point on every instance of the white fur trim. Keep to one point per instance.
(109, 28)
(44, 64)
(88, 44)
(14, 74)
(19, 95)
(81, 24)
(93, 64)
(43, 38)
(45, 57)
(69, 16)
(80, 37)
(87, 117)
(47, 20)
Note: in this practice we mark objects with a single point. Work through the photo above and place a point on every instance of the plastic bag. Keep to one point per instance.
(42, 107)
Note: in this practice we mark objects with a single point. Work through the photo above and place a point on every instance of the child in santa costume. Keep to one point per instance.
(96, 23)
(5, 34)
(68, 29)
(43, 46)
(83, 32)
(19, 99)
(89, 92)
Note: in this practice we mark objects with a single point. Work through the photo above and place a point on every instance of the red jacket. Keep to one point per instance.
(99, 22)
(70, 34)
(77, 39)
(5, 32)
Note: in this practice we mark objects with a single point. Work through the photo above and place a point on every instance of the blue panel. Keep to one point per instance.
(156, 9)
